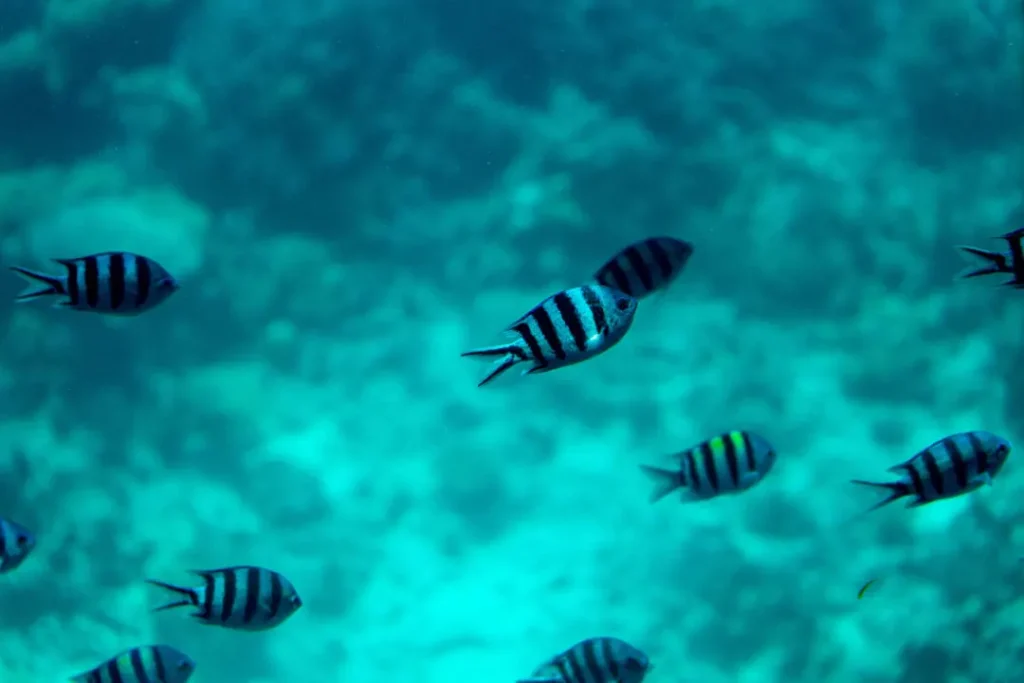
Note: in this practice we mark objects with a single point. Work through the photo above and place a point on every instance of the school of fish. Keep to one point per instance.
(568, 327)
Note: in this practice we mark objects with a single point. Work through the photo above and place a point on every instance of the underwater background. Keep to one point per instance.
(353, 192)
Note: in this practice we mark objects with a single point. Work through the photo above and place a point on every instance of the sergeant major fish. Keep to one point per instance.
(242, 598)
(950, 467)
(1011, 263)
(594, 660)
(566, 328)
(114, 282)
(146, 664)
(728, 463)
(16, 542)
(645, 266)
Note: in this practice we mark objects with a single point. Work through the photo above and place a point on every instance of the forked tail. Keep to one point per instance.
(994, 262)
(187, 597)
(895, 489)
(40, 284)
(508, 355)
(665, 481)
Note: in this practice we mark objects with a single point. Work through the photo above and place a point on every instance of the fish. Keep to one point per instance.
(1010, 262)
(145, 664)
(728, 463)
(566, 328)
(594, 660)
(864, 588)
(242, 598)
(114, 282)
(950, 467)
(16, 543)
(646, 266)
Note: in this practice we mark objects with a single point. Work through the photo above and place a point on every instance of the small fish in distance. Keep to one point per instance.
(594, 660)
(242, 598)
(950, 467)
(566, 328)
(114, 282)
(145, 664)
(1011, 262)
(645, 266)
(16, 543)
(729, 463)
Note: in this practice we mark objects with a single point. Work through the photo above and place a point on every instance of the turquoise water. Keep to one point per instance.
(353, 192)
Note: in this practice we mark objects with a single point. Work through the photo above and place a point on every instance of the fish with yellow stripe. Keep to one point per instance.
(728, 463)
(145, 664)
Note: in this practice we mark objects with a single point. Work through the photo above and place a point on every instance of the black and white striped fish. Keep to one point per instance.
(1010, 263)
(950, 467)
(566, 328)
(645, 266)
(16, 542)
(594, 660)
(146, 664)
(728, 463)
(113, 282)
(242, 598)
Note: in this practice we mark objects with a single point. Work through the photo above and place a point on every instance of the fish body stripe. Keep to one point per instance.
(536, 353)
(570, 317)
(92, 282)
(252, 594)
(542, 317)
(935, 475)
(596, 309)
(117, 281)
(73, 285)
(708, 454)
(138, 667)
(143, 280)
(639, 266)
(229, 581)
(661, 258)
(159, 665)
(645, 266)
(959, 462)
(978, 451)
(732, 458)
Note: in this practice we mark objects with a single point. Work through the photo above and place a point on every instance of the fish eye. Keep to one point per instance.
(184, 665)
(622, 304)
(22, 540)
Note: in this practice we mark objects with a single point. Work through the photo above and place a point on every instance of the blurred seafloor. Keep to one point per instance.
(354, 191)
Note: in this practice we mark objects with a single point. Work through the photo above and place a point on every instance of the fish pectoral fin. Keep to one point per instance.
(979, 480)
(748, 479)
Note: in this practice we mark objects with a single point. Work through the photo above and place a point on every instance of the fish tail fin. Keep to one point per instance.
(994, 262)
(895, 489)
(40, 284)
(1013, 235)
(186, 597)
(507, 355)
(665, 481)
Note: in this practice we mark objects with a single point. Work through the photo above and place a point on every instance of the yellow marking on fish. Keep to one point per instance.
(737, 441)
(717, 444)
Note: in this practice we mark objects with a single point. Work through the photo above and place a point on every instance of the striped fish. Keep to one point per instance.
(728, 463)
(566, 328)
(1011, 263)
(114, 282)
(16, 542)
(645, 266)
(241, 598)
(950, 467)
(146, 664)
(594, 660)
